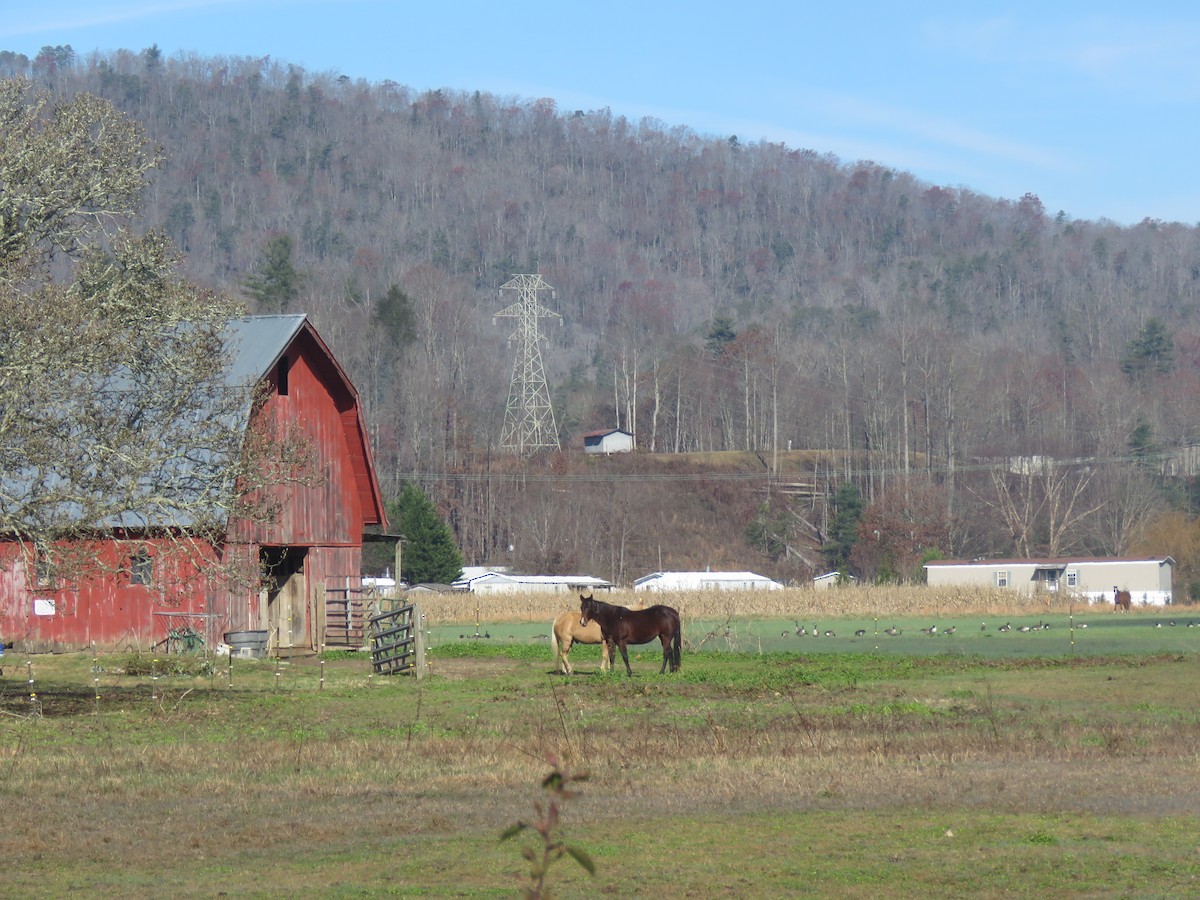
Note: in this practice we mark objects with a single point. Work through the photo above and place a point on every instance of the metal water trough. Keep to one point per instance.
(251, 644)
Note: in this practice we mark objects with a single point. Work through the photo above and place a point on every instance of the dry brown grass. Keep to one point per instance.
(882, 601)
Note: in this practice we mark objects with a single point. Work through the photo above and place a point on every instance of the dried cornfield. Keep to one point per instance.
(800, 603)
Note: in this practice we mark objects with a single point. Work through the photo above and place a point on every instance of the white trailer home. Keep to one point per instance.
(1148, 580)
(487, 582)
(705, 581)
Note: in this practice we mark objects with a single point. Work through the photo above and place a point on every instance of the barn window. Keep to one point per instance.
(1002, 578)
(43, 572)
(1072, 578)
(141, 568)
(281, 376)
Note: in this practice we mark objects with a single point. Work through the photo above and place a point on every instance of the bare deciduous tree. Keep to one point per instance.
(116, 408)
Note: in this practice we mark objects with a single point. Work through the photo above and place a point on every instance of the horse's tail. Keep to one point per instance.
(554, 641)
(677, 645)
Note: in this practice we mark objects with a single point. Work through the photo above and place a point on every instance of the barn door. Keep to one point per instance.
(287, 596)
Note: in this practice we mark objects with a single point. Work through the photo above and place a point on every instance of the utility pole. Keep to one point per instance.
(529, 419)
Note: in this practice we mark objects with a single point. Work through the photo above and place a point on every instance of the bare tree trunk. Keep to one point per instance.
(654, 413)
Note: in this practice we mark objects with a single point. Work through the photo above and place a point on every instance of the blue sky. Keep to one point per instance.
(1093, 107)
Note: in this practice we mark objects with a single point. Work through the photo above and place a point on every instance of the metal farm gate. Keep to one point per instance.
(397, 645)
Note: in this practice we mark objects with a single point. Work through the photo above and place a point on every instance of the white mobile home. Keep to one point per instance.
(705, 581)
(508, 583)
(1148, 580)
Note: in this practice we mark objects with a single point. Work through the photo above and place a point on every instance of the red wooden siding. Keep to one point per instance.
(107, 609)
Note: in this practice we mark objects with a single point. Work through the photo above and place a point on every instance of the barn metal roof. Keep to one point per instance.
(255, 345)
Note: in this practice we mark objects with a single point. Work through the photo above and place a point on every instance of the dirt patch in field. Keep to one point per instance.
(461, 669)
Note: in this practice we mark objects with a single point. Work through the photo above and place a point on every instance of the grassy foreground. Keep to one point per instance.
(785, 772)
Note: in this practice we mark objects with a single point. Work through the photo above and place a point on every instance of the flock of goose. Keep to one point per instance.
(934, 630)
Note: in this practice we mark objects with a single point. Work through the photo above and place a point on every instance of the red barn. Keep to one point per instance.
(140, 591)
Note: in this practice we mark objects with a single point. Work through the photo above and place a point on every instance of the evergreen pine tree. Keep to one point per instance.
(1151, 352)
(843, 530)
(430, 554)
(275, 281)
(719, 336)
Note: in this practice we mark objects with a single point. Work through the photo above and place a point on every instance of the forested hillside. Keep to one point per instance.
(992, 377)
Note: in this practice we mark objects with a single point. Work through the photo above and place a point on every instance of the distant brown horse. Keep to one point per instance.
(623, 626)
(1121, 599)
(567, 631)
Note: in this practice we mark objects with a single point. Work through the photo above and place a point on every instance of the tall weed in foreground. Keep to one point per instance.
(541, 858)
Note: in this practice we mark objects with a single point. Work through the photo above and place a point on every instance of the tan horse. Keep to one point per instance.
(567, 631)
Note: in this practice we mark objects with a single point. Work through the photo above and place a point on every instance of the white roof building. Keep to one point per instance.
(492, 582)
(833, 579)
(702, 581)
(608, 440)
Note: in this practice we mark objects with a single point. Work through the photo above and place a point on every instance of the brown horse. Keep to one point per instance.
(567, 631)
(622, 626)
(1121, 599)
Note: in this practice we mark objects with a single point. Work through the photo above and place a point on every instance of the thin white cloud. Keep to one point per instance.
(850, 127)
(937, 130)
(1117, 54)
(61, 17)
(89, 15)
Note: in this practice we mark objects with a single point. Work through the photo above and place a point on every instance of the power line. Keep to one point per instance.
(1005, 465)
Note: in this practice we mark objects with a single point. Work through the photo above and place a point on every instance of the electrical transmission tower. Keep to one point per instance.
(529, 419)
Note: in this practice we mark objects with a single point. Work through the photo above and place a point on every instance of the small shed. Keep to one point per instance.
(705, 581)
(608, 440)
(508, 583)
(1148, 580)
(833, 579)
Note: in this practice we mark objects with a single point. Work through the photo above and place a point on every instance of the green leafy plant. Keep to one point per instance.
(182, 664)
(557, 787)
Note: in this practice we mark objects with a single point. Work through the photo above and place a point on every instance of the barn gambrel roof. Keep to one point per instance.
(254, 345)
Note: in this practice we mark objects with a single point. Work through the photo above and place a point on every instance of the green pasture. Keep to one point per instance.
(1094, 632)
(975, 764)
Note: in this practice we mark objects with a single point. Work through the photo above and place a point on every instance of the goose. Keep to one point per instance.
(949, 630)
(891, 631)
(830, 634)
(1005, 627)
(1023, 629)
(983, 626)
(860, 632)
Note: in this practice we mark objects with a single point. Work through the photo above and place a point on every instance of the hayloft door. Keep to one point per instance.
(283, 574)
